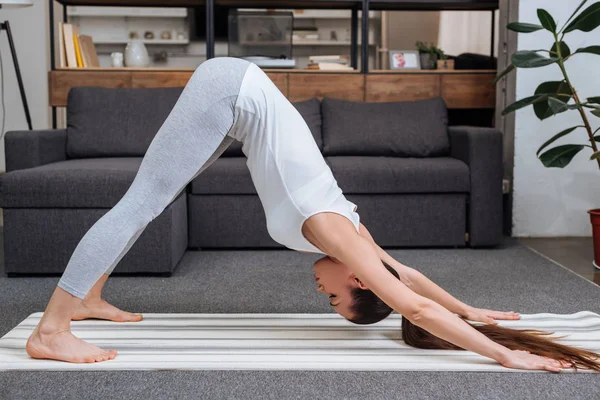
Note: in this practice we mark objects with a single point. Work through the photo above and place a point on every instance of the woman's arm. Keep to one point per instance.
(362, 259)
(416, 281)
(338, 238)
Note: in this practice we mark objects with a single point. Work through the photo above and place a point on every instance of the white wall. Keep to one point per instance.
(30, 32)
(553, 201)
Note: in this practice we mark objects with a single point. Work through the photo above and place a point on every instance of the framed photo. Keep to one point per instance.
(404, 59)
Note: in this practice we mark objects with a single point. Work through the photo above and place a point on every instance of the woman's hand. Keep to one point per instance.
(487, 316)
(521, 359)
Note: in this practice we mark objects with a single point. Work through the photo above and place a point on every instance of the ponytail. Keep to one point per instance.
(368, 309)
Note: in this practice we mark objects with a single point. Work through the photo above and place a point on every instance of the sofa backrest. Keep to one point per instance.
(107, 122)
(310, 111)
(401, 129)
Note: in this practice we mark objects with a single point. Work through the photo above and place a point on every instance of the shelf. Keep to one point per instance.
(294, 4)
(318, 14)
(188, 70)
(398, 5)
(145, 41)
(271, 4)
(437, 5)
(324, 43)
(133, 3)
(146, 12)
(433, 71)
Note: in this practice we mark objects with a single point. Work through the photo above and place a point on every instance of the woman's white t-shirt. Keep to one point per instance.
(291, 177)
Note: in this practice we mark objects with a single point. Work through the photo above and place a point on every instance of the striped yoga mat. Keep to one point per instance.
(275, 342)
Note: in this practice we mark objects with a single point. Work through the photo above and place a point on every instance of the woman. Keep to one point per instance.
(229, 99)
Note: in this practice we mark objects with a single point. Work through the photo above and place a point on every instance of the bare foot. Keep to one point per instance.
(101, 309)
(64, 346)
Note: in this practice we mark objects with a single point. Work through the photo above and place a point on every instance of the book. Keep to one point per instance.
(62, 56)
(333, 57)
(69, 46)
(342, 62)
(88, 52)
(329, 66)
(78, 51)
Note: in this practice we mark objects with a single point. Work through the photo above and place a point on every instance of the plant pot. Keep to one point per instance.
(428, 60)
(595, 219)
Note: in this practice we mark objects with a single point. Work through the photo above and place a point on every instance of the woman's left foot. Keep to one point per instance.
(100, 309)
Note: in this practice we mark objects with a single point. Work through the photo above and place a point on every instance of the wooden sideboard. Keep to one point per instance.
(461, 89)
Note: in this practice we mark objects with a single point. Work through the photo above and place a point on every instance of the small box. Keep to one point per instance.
(445, 64)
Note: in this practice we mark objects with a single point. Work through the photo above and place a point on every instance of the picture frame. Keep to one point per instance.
(404, 59)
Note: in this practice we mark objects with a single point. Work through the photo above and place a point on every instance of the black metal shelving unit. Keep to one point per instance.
(354, 5)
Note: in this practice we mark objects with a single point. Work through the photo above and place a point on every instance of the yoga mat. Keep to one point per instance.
(276, 342)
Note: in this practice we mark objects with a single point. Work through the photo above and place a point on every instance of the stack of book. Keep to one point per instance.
(75, 50)
(329, 63)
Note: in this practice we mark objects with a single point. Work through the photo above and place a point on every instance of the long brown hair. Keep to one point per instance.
(368, 309)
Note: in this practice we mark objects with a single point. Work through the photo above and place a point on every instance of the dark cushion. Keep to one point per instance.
(365, 174)
(107, 122)
(403, 129)
(310, 111)
(82, 183)
(227, 175)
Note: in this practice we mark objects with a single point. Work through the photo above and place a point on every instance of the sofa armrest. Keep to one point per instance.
(481, 149)
(28, 149)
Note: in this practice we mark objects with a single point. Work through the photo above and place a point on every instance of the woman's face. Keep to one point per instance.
(336, 281)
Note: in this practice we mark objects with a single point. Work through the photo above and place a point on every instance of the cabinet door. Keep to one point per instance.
(345, 86)
(402, 87)
(469, 90)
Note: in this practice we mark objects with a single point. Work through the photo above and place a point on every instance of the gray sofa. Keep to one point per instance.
(416, 181)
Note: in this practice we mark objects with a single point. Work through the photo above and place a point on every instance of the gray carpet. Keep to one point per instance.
(507, 278)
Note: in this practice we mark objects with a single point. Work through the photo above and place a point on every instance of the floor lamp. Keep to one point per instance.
(5, 26)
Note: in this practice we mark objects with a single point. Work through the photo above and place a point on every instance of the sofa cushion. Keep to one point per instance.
(107, 122)
(366, 174)
(310, 111)
(79, 183)
(227, 175)
(403, 129)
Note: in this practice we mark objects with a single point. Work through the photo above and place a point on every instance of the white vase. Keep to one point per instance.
(136, 54)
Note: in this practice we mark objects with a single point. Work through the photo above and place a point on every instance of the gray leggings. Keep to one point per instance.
(192, 137)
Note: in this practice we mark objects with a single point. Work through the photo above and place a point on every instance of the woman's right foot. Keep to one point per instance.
(64, 346)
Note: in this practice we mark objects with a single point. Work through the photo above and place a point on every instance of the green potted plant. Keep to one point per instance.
(555, 97)
(429, 54)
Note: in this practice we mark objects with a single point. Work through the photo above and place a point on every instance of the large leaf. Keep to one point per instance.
(546, 20)
(574, 12)
(564, 49)
(560, 156)
(587, 21)
(556, 137)
(523, 27)
(557, 89)
(506, 71)
(589, 49)
(531, 59)
(524, 103)
(594, 100)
